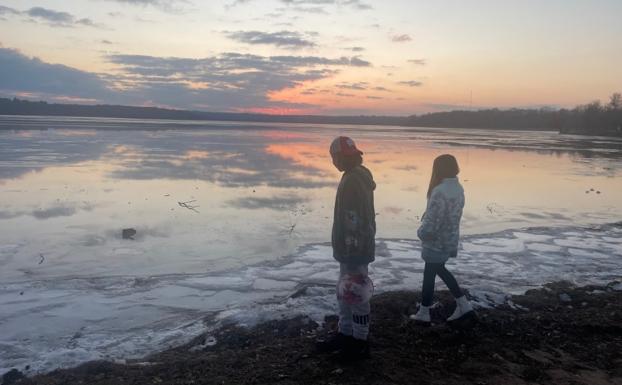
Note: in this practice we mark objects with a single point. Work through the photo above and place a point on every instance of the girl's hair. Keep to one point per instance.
(445, 166)
(348, 162)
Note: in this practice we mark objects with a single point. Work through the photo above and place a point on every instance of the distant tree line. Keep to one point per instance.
(590, 119)
(513, 119)
(593, 118)
(24, 107)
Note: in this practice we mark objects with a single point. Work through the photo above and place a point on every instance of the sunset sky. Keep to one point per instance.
(394, 57)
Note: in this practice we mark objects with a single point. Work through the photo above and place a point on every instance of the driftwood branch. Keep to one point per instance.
(188, 205)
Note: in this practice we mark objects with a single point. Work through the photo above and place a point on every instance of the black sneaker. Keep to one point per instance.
(338, 341)
(355, 350)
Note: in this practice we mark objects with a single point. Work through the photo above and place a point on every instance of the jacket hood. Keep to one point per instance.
(364, 176)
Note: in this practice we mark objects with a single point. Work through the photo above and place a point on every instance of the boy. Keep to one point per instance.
(353, 241)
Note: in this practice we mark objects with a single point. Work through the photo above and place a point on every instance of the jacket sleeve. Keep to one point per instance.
(356, 226)
(432, 218)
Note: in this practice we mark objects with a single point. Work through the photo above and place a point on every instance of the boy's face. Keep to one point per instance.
(337, 161)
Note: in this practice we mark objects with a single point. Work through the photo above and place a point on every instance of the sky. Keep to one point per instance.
(332, 57)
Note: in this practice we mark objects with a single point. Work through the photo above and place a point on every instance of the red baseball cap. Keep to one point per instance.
(344, 145)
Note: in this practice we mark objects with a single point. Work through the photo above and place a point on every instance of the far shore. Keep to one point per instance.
(600, 122)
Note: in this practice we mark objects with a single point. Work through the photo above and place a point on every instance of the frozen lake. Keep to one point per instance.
(540, 207)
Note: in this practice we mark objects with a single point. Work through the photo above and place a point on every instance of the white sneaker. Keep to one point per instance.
(422, 316)
(463, 306)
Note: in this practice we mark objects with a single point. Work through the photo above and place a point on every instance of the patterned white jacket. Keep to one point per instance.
(440, 225)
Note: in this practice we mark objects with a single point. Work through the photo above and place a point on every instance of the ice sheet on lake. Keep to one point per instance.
(62, 322)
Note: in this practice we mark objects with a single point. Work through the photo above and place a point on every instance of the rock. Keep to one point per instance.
(565, 297)
(128, 233)
(12, 376)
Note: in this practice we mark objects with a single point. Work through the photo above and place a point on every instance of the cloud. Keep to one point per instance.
(230, 81)
(379, 88)
(357, 62)
(353, 86)
(236, 3)
(420, 62)
(316, 10)
(412, 83)
(226, 82)
(356, 4)
(374, 97)
(401, 38)
(173, 6)
(313, 6)
(19, 73)
(142, 2)
(8, 11)
(49, 16)
(355, 49)
(285, 39)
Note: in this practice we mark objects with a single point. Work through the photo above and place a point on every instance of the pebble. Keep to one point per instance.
(565, 297)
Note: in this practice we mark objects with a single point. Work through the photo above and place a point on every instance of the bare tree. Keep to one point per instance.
(615, 101)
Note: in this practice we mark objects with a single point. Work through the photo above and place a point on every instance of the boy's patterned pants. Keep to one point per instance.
(353, 317)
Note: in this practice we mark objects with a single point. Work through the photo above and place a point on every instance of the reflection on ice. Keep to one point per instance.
(283, 202)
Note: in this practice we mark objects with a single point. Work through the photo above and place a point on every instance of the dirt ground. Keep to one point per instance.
(559, 334)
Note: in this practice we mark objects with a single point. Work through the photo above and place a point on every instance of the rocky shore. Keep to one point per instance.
(558, 334)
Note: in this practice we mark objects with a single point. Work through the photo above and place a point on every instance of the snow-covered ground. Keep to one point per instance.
(61, 322)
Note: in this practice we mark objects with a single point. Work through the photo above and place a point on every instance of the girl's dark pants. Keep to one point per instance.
(430, 272)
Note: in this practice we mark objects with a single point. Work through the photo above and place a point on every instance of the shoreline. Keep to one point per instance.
(558, 333)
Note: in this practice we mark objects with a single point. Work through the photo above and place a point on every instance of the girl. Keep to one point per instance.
(439, 233)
